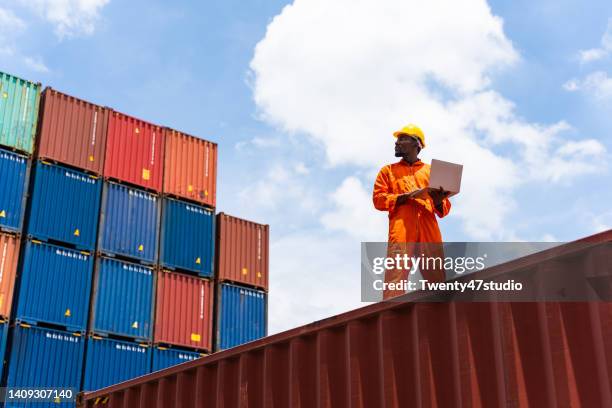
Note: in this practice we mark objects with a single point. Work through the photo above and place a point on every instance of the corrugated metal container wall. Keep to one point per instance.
(134, 151)
(55, 286)
(129, 222)
(415, 353)
(45, 358)
(241, 315)
(122, 302)
(243, 251)
(188, 237)
(4, 332)
(190, 169)
(72, 131)
(183, 315)
(19, 100)
(13, 180)
(64, 206)
(9, 256)
(167, 357)
(111, 361)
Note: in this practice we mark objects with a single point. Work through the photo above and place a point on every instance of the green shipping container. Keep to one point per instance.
(19, 101)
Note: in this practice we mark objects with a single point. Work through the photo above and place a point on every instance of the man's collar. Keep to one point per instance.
(418, 162)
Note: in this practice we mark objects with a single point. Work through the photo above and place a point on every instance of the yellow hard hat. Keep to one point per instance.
(411, 130)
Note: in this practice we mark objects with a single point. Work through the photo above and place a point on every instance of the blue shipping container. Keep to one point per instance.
(112, 361)
(188, 237)
(4, 330)
(43, 358)
(123, 299)
(167, 357)
(129, 222)
(64, 206)
(241, 315)
(13, 179)
(55, 286)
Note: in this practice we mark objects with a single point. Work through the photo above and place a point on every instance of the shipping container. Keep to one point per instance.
(72, 131)
(190, 168)
(9, 256)
(19, 100)
(110, 361)
(14, 171)
(45, 358)
(241, 315)
(164, 357)
(64, 206)
(55, 286)
(129, 225)
(404, 354)
(242, 251)
(122, 302)
(188, 237)
(183, 315)
(134, 151)
(4, 332)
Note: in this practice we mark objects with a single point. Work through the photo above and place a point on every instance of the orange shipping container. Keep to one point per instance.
(72, 131)
(242, 251)
(9, 254)
(183, 314)
(190, 169)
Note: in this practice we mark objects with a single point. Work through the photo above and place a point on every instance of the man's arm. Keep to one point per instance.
(441, 202)
(382, 196)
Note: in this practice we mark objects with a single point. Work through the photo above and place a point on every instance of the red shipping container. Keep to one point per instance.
(190, 169)
(72, 131)
(183, 315)
(408, 354)
(9, 255)
(134, 151)
(242, 251)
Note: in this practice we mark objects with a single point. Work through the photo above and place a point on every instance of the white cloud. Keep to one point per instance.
(595, 54)
(598, 84)
(70, 17)
(361, 72)
(10, 27)
(36, 64)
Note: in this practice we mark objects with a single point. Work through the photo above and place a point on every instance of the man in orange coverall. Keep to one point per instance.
(412, 214)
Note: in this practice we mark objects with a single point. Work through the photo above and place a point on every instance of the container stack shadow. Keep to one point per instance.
(113, 259)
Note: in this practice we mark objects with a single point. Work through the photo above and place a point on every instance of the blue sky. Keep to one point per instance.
(520, 92)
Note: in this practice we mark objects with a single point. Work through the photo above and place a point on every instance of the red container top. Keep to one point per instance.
(415, 353)
(243, 251)
(72, 131)
(190, 169)
(183, 314)
(134, 151)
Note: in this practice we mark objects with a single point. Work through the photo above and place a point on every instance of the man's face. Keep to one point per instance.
(406, 146)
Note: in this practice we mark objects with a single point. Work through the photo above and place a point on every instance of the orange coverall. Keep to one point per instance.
(412, 222)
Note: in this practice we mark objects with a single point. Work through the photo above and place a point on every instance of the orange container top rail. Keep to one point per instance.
(400, 354)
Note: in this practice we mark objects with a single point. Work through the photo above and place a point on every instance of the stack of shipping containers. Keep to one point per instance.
(108, 245)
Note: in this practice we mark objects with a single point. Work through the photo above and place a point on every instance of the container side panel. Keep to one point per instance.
(242, 251)
(123, 297)
(65, 205)
(9, 256)
(19, 100)
(134, 152)
(188, 237)
(112, 361)
(129, 223)
(72, 131)
(190, 169)
(242, 315)
(42, 358)
(168, 357)
(55, 286)
(184, 311)
(13, 184)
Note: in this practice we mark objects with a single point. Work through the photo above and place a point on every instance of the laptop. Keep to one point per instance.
(443, 174)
